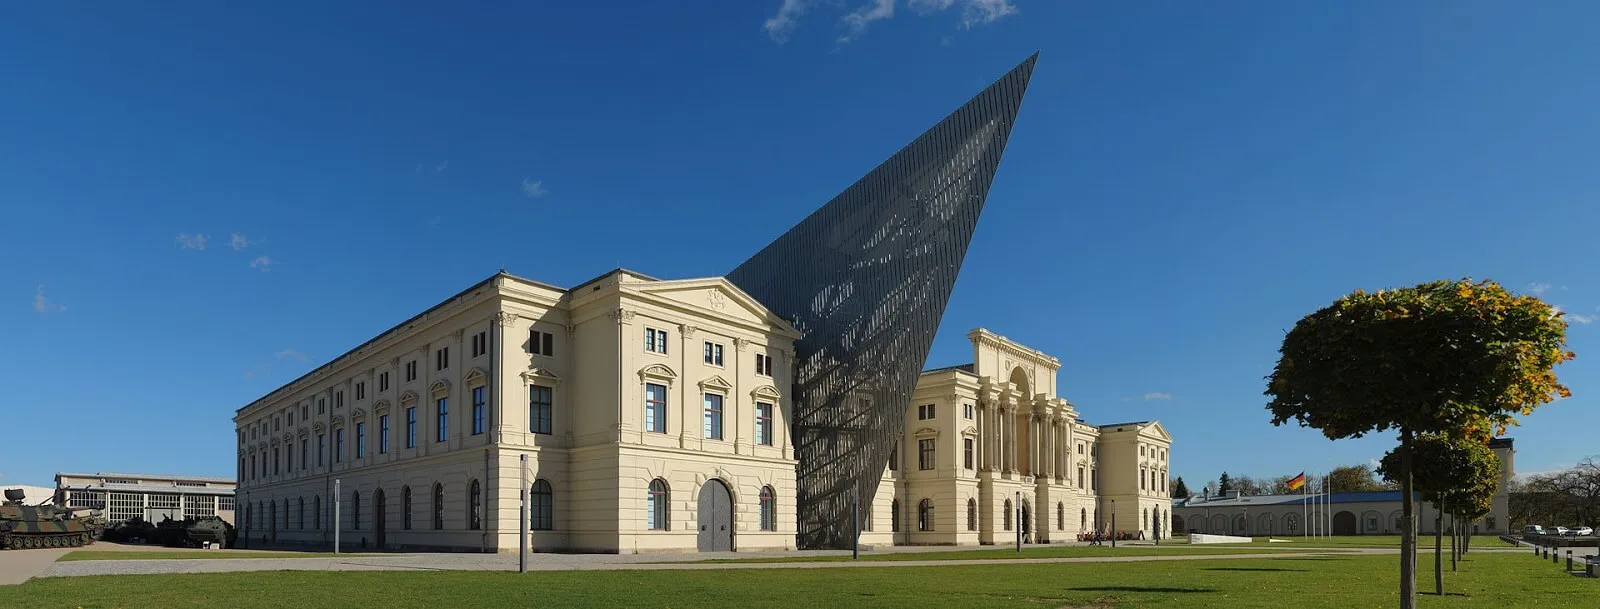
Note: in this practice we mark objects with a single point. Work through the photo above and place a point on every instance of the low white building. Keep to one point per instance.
(148, 496)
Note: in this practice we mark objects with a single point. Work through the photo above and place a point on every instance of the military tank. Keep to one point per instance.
(212, 529)
(42, 526)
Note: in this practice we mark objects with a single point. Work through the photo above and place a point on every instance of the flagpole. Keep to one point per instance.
(1305, 518)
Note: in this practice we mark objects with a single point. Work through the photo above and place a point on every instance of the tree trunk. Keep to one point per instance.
(1455, 531)
(1408, 530)
(1438, 550)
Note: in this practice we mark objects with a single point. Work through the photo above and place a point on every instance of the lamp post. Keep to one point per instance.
(1247, 521)
(522, 520)
(335, 515)
(1114, 531)
(1018, 516)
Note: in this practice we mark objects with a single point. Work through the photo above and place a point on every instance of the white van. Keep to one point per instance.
(1533, 529)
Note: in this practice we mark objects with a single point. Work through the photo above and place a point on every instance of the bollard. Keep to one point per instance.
(1569, 560)
(1592, 561)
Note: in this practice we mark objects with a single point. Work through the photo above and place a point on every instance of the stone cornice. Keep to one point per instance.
(1005, 345)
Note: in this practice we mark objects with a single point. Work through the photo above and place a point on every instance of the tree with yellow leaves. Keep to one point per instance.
(1452, 357)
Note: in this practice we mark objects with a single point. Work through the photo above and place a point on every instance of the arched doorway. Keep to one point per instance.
(1264, 525)
(272, 518)
(379, 519)
(1177, 524)
(715, 517)
(1240, 525)
(1219, 524)
(1027, 522)
(1344, 523)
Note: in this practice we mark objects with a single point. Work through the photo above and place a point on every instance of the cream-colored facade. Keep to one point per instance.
(982, 437)
(653, 416)
(153, 497)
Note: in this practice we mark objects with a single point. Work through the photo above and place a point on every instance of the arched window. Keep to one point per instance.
(543, 506)
(1291, 522)
(1061, 516)
(302, 519)
(316, 512)
(925, 515)
(894, 516)
(355, 510)
(769, 510)
(656, 505)
(438, 506)
(1008, 515)
(405, 507)
(972, 514)
(475, 507)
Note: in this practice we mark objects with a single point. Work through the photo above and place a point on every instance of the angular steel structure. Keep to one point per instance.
(866, 278)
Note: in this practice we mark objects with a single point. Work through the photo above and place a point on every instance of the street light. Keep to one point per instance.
(1113, 523)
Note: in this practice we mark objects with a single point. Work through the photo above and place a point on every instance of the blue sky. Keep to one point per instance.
(1185, 182)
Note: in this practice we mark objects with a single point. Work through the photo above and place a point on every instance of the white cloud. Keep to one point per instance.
(1375, 464)
(261, 262)
(1582, 319)
(1538, 289)
(533, 188)
(238, 242)
(778, 26)
(1157, 395)
(195, 241)
(441, 166)
(857, 21)
(978, 12)
(973, 12)
(43, 305)
(944, 41)
(290, 354)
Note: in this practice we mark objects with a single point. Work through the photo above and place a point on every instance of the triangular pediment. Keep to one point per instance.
(1154, 428)
(714, 296)
(716, 383)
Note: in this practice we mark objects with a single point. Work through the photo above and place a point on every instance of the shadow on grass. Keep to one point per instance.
(1250, 569)
(1460, 594)
(1137, 589)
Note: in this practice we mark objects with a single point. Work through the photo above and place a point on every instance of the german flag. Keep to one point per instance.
(1298, 482)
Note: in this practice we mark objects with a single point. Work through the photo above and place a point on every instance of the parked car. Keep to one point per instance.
(1556, 531)
(1533, 529)
(1579, 531)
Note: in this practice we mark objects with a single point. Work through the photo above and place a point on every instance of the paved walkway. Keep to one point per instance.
(16, 566)
(584, 562)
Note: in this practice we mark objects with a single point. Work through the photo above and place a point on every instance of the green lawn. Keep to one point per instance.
(1027, 552)
(196, 554)
(1496, 581)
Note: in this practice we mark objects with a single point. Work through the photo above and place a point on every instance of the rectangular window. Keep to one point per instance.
(966, 449)
(411, 427)
(1080, 478)
(361, 439)
(322, 447)
(441, 358)
(322, 407)
(967, 411)
(383, 381)
(763, 423)
(655, 408)
(713, 416)
(442, 407)
(925, 454)
(925, 412)
(305, 412)
(338, 445)
(655, 340)
(713, 354)
(1094, 479)
(480, 407)
(288, 463)
(1080, 448)
(763, 364)
(539, 406)
(541, 343)
(291, 418)
(411, 371)
(361, 394)
(338, 399)
(480, 344)
(305, 453)
(277, 460)
(383, 434)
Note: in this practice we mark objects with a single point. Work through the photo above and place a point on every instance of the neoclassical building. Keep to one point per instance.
(1355, 513)
(992, 450)
(644, 415)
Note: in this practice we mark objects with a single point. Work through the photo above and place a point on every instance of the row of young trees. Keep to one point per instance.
(1445, 366)
(1343, 479)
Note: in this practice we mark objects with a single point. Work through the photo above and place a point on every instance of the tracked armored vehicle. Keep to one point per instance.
(41, 526)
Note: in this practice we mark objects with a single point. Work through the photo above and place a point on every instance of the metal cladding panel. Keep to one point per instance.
(866, 279)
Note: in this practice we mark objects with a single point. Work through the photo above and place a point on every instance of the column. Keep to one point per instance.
(983, 441)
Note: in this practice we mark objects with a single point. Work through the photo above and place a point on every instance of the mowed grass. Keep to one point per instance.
(192, 555)
(1027, 552)
(1328, 582)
